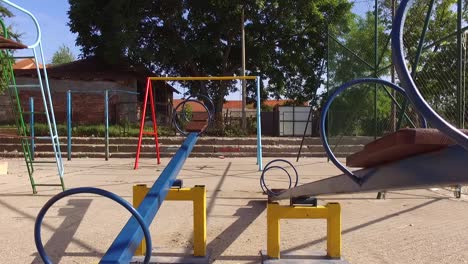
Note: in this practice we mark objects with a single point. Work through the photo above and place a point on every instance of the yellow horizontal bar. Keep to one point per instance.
(180, 194)
(297, 212)
(203, 78)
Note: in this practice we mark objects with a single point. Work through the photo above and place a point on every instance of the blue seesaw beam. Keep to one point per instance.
(124, 246)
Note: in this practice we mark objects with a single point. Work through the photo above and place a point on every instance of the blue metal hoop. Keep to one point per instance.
(269, 166)
(175, 115)
(408, 83)
(323, 119)
(112, 196)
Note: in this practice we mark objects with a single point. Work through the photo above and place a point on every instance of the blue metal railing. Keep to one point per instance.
(259, 128)
(31, 127)
(107, 96)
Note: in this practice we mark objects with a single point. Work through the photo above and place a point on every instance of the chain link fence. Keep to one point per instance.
(372, 110)
(436, 57)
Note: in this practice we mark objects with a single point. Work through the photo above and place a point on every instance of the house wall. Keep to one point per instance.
(87, 105)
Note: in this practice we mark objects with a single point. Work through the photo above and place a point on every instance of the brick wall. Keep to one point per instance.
(87, 105)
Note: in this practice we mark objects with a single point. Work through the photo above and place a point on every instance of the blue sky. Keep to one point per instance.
(53, 19)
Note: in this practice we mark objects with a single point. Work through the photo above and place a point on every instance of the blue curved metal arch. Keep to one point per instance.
(192, 98)
(112, 196)
(408, 83)
(324, 113)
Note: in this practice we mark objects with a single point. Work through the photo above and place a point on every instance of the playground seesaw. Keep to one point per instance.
(128, 240)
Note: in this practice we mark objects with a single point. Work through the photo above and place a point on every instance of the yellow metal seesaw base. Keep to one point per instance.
(197, 195)
(331, 212)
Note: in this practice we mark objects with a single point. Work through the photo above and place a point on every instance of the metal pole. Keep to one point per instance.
(392, 72)
(106, 118)
(69, 124)
(294, 120)
(328, 82)
(305, 131)
(376, 63)
(259, 128)
(31, 125)
(460, 92)
(244, 92)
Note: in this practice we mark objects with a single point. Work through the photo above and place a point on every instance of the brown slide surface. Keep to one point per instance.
(398, 145)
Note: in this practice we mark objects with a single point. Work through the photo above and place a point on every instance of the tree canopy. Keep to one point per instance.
(63, 55)
(435, 73)
(5, 58)
(285, 39)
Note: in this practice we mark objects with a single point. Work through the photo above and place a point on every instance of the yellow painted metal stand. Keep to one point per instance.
(196, 194)
(331, 212)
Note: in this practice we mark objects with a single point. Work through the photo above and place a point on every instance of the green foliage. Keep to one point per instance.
(5, 58)
(134, 130)
(352, 113)
(435, 72)
(187, 112)
(285, 40)
(99, 130)
(5, 66)
(62, 55)
(266, 108)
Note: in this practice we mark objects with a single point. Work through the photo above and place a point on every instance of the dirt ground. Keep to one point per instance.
(418, 226)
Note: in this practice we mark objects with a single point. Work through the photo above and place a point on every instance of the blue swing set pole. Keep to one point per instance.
(69, 124)
(106, 123)
(127, 241)
(31, 125)
(259, 127)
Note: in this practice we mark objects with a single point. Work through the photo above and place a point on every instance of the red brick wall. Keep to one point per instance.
(86, 108)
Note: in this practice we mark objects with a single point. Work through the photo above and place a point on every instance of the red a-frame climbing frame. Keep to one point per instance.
(148, 92)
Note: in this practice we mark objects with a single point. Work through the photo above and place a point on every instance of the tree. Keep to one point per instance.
(353, 111)
(62, 55)
(435, 73)
(285, 40)
(5, 58)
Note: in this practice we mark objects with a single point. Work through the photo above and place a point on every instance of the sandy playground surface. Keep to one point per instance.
(417, 226)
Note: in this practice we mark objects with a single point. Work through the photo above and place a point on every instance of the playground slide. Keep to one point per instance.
(444, 167)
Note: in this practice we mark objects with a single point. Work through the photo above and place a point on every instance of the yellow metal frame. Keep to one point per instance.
(331, 212)
(197, 195)
(204, 78)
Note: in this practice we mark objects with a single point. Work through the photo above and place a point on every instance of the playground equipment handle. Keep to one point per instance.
(112, 196)
(36, 23)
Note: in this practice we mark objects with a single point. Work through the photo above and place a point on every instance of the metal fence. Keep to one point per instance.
(438, 66)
